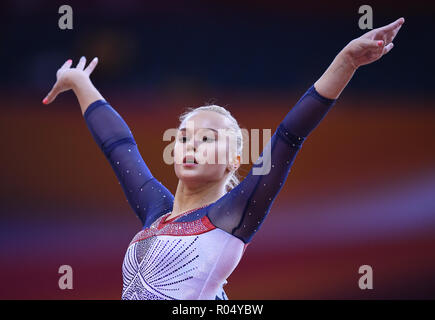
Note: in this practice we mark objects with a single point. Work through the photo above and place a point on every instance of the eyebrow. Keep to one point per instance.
(184, 129)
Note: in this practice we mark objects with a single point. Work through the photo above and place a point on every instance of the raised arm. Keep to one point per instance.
(242, 211)
(147, 196)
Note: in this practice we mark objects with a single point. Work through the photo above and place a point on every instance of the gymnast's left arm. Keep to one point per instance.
(242, 211)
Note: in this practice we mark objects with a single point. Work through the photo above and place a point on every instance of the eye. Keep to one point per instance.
(207, 139)
(182, 139)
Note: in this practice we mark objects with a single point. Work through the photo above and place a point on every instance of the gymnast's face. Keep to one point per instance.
(202, 148)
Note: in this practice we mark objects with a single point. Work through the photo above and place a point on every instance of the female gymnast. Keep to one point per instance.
(191, 242)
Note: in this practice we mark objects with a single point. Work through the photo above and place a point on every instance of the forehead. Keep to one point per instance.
(205, 119)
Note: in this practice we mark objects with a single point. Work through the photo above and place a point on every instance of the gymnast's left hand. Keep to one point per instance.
(372, 45)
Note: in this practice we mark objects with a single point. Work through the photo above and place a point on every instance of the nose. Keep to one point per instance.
(192, 144)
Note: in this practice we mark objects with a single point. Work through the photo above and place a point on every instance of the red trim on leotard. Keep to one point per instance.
(165, 221)
(171, 228)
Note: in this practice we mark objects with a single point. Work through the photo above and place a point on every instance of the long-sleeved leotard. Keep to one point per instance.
(192, 255)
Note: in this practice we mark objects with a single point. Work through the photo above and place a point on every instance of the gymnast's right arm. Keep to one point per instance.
(147, 196)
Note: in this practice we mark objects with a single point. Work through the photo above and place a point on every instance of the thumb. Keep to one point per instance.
(51, 95)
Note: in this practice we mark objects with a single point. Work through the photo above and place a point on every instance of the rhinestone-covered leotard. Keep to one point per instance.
(191, 256)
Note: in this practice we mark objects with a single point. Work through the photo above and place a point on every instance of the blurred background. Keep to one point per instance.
(361, 190)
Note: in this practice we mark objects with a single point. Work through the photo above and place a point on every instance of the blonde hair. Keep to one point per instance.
(233, 179)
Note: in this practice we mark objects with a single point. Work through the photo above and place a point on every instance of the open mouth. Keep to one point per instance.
(189, 160)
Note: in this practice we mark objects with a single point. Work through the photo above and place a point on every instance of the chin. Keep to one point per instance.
(196, 176)
(187, 173)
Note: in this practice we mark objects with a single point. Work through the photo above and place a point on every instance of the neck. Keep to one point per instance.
(189, 197)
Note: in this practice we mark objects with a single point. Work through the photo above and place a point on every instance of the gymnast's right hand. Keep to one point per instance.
(68, 78)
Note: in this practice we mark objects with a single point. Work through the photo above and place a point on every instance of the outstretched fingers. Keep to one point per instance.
(91, 66)
(387, 48)
(62, 74)
(51, 95)
(55, 90)
(389, 32)
(67, 64)
(81, 63)
(393, 25)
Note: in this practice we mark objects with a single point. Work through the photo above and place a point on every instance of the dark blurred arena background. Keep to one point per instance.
(361, 190)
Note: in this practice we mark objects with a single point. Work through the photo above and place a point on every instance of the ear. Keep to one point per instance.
(236, 164)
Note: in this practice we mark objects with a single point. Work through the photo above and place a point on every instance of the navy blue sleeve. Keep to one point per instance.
(147, 196)
(241, 211)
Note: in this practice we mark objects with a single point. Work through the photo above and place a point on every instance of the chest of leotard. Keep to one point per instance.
(179, 260)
